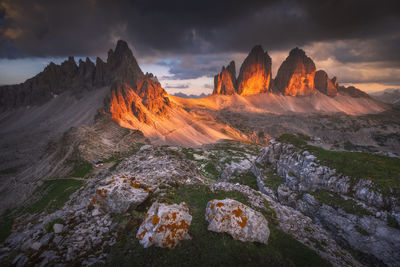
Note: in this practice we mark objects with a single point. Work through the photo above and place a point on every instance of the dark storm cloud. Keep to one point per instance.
(162, 29)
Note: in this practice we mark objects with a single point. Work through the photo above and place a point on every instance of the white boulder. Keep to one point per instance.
(165, 225)
(120, 192)
(241, 222)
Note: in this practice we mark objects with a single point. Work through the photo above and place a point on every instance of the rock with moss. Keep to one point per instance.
(341, 204)
(165, 225)
(240, 221)
(294, 223)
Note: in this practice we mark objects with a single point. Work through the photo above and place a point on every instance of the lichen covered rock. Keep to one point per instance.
(120, 192)
(241, 222)
(165, 225)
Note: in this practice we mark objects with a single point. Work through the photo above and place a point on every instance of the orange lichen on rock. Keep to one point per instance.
(156, 219)
(243, 219)
(220, 204)
(141, 235)
(166, 225)
(238, 220)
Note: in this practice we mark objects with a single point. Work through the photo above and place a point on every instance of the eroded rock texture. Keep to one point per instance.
(241, 222)
(165, 225)
(296, 74)
(225, 82)
(255, 73)
(324, 84)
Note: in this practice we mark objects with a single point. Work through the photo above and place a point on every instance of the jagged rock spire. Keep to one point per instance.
(296, 74)
(225, 82)
(255, 73)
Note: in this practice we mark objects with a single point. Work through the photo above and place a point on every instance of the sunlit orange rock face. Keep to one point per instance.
(147, 99)
(255, 73)
(324, 84)
(133, 94)
(296, 74)
(225, 82)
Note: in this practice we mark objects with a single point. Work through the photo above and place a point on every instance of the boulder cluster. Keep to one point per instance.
(297, 76)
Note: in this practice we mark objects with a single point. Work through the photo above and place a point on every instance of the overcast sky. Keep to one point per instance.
(185, 43)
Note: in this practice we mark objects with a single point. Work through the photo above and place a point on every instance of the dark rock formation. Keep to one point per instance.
(324, 84)
(335, 82)
(255, 73)
(55, 79)
(352, 91)
(225, 82)
(296, 74)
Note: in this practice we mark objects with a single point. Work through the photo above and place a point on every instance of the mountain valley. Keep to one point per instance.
(95, 156)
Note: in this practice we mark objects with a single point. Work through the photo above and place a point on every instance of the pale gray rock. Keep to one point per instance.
(36, 245)
(120, 192)
(58, 228)
(240, 221)
(165, 225)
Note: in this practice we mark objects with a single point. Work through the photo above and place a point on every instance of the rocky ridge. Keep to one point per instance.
(89, 221)
(307, 184)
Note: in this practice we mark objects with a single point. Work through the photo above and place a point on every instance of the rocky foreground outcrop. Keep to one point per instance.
(356, 214)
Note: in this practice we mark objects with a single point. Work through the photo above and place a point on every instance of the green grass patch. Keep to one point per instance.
(119, 157)
(361, 230)
(336, 201)
(208, 248)
(53, 195)
(212, 170)
(383, 171)
(6, 223)
(49, 226)
(246, 178)
(9, 171)
(273, 181)
(297, 141)
(81, 169)
(188, 153)
(392, 222)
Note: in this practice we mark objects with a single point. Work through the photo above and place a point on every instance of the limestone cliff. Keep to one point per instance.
(255, 73)
(296, 74)
(324, 84)
(225, 82)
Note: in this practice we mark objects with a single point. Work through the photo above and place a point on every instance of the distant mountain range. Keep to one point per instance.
(389, 96)
(183, 95)
(136, 100)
